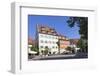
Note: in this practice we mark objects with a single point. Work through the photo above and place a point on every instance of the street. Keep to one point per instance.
(56, 57)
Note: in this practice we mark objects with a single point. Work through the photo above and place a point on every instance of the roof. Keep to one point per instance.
(46, 30)
(74, 41)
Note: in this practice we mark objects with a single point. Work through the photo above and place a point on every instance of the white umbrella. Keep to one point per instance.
(31, 52)
(62, 50)
(29, 46)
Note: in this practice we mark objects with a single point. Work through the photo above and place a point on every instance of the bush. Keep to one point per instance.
(35, 49)
(46, 50)
(69, 48)
(82, 44)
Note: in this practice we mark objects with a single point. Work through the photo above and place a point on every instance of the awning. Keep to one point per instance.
(32, 52)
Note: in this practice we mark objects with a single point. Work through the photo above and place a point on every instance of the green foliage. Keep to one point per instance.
(81, 44)
(58, 43)
(69, 48)
(82, 23)
(34, 49)
(46, 50)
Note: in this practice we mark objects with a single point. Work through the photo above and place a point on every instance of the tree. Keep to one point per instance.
(68, 48)
(35, 49)
(82, 23)
(46, 50)
(82, 44)
(58, 43)
(71, 49)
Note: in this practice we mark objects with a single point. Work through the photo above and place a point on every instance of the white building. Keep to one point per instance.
(49, 41)
(48, 37)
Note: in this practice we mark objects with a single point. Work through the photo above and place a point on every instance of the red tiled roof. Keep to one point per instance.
(44, 29)
(74, 41)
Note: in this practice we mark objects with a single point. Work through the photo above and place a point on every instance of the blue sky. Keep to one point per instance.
(57, 22)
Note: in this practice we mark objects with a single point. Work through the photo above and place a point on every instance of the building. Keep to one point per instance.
(63, 43)
(48, 37)
(73, 42)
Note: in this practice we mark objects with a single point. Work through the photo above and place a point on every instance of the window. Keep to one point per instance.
(50, 42)
(46, 36)
(49, 36)
(56, 47)
(52, 37)
(45, 41)
(53, 47)
(41, 35)
(41, 41)
(56, 37)
(46, 46)
(41, 46)
(53, 42)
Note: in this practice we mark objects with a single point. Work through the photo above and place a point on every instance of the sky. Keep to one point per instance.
(58, 22)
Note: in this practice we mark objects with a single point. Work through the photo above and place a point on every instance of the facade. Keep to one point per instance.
(49, 41)
(48, 37)
(73, 42)
(63, 43)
